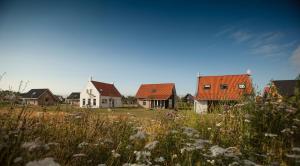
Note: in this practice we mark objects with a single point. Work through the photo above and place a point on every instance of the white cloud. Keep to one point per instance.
(241, 36)
(295, 58)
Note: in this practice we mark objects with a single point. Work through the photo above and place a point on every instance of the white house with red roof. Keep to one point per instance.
(157, 95)
(212, 90)
(100, 95)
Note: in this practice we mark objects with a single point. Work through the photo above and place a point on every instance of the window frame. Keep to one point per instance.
(223, 86)
(243, 84)
(207, 87)
(94, 101)
(83, 101)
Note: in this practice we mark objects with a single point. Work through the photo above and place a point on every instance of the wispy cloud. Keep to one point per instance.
(241, 36)
(295, 58)
(267, 44)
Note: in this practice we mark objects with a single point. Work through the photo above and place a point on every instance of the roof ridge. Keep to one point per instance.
(224, 75)
(102, 82)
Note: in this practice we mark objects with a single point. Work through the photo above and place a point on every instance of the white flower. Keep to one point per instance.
(211, 161)
(142, 155)
(295, 156)
(247, 121)
(44, 162)
(159, 159)
(219, 124)
(115, 154)
(217, 151)
(82, 144)
(270, 135)
(151, 145)
(174, 156)
(101, 165)
(36, 144)
(139, 135)
(79, 155)
(18, 159)
(208, 128)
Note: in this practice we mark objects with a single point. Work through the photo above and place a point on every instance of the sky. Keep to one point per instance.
(60, 44)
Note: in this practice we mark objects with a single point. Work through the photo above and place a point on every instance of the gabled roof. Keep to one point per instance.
(74, 96)
(156, 91)
(34, 93)
(285, 87)
(106, 89)
(233, 92)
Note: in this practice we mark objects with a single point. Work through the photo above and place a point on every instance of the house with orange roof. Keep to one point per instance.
(212, 90)
(100, 95)
(161, 96)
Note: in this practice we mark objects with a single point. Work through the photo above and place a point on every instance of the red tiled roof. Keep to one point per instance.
(233, 92)
(155, 91)
(106, 89)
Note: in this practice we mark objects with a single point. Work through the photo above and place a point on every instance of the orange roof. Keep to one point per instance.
(233, 92)
(106, 89)
(155, 91)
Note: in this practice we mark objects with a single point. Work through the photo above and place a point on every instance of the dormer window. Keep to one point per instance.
(223, 86)
(206, 86)
(242, 86)
(153, 90)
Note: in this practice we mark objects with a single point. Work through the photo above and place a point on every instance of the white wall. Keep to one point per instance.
(140, 102)
(200, 106)
(96, 95)
(86, 96)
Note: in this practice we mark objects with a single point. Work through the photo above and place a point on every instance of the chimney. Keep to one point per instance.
(249, 72)
(198, 74)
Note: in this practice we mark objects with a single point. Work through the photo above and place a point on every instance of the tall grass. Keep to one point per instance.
(247, 133)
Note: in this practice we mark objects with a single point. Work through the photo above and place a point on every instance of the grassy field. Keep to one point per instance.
(247, 134)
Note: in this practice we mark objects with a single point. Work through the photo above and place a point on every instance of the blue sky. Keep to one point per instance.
(60, 44)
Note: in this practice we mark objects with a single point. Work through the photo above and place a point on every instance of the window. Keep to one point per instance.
(224, 86)
(144, 102)
(94, 101)
(89, 101)
(104, 101)
(46, 99)
(242, 86)
(206, 86)
(83, 101)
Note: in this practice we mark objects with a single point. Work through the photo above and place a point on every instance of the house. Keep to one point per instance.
(280, 89)
(73, 99)
(188, 98)
(100, 95)
(157, 95)
(39, 97)
(60, 98)
(212, 90)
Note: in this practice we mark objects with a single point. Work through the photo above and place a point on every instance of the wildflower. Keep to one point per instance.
(219, 124)
(115, 154)
(49, 161)
(36, 144)
(151, 145)
(295, 156)
(249, 163)
(18, 159)
(139, 135)
(82, 144)
(101, 165)
(142, 155)
(53, 143)
(296, 149)
(247, 121)
(159, 159)
(287, 130)
(270, 135)
(79, 155)
(211, 161)
(189, 131)
(208, 128)
(217, 151)
(174, 156)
